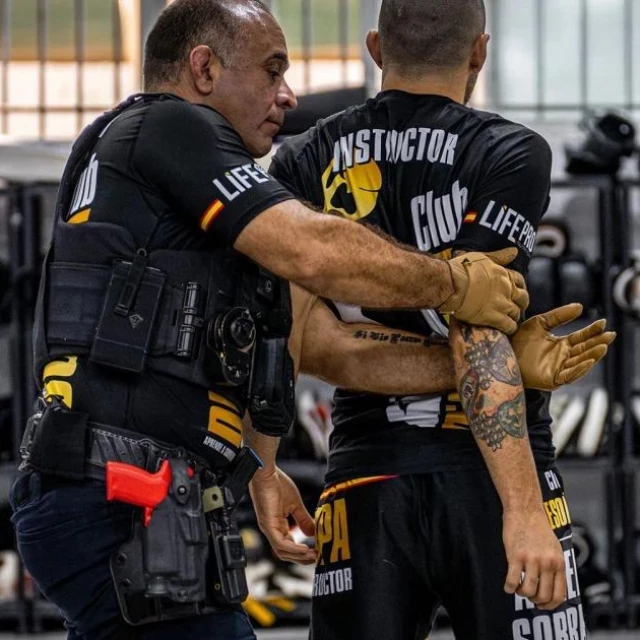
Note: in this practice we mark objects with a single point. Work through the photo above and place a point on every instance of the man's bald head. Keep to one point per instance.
(185, 24)
(423, 34)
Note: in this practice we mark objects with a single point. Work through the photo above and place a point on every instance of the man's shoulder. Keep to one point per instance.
(500, 131)
(321, 137)
(179, 112)
(292, 146)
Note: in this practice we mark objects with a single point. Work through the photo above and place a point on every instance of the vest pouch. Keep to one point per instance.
(272, 395)
(128, 317)
(54, 442)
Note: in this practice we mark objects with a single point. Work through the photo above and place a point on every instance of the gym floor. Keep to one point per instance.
(300, 634)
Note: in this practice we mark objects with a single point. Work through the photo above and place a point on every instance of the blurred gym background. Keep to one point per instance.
(567, 68)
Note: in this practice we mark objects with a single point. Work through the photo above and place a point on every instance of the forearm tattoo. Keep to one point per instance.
(396, 338)
(490, 359)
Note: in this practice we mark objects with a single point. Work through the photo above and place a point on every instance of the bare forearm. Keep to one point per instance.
(381, 360)
(492, 394)
(342, 260)
(380, 273)
(265, 446)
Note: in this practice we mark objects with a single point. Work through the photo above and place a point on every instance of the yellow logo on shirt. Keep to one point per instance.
(54, 375)
(361, 186)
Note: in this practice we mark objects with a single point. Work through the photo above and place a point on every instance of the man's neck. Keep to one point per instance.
(451, 85)
(175, 89)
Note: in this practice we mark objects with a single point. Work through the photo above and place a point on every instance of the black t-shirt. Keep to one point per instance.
(176, 176)
(438, 176)
(177, 168)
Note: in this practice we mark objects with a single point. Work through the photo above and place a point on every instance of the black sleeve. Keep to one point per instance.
(511, 197)
(193, 156)
(294, 166)
(283, 168)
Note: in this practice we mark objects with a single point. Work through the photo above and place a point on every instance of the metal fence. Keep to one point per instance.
(16, 57)
(64, 61)
(555, 56)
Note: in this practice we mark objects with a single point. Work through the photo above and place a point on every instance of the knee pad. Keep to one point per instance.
(552, 239)
(553, 282)
(593, 425)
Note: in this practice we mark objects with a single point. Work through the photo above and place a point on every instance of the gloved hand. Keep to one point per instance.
(547, 361)
(485, 293)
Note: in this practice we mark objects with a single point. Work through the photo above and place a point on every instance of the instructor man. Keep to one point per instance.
(445, 498)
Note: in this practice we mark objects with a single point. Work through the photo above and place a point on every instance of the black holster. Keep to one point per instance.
(219, 501)
(185, 563)
(272, 393)
(160, 573)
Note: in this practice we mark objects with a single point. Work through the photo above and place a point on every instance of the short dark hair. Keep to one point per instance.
(185, 24)
(415, 34)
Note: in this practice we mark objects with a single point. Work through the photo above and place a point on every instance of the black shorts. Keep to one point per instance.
(392, 550)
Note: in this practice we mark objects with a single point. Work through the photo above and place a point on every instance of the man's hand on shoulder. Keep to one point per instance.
(485, 293)
(547, 361)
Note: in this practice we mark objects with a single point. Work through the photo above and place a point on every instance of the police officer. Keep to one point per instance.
(162, 317)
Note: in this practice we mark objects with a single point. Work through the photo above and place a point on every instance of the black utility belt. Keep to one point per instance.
(185, 556)
(66, 444)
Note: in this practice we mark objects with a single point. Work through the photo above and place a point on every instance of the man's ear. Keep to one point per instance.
(479, 53)
(373, 45)
(205, 69)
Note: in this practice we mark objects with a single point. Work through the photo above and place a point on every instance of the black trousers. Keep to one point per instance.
(392, 550)
(66, 534)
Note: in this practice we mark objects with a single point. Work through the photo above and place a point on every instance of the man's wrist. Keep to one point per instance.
(448, 283)
(267, 470)
(517, 506)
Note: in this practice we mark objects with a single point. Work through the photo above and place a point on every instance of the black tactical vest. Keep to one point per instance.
(208, 318)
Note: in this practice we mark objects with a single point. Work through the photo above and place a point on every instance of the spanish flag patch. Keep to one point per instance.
(211, 214)
(470, 217)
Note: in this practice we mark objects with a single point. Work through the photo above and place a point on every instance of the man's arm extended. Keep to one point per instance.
(341, 260)
(366, 357)
(492, 395)
(347, 262)
(378, 359)
(514, 181)
(360, 357)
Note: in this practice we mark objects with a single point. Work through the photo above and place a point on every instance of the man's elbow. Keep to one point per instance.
(309, 270)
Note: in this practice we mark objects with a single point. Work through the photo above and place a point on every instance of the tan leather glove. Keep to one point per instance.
(486, 293)
(547, 361)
